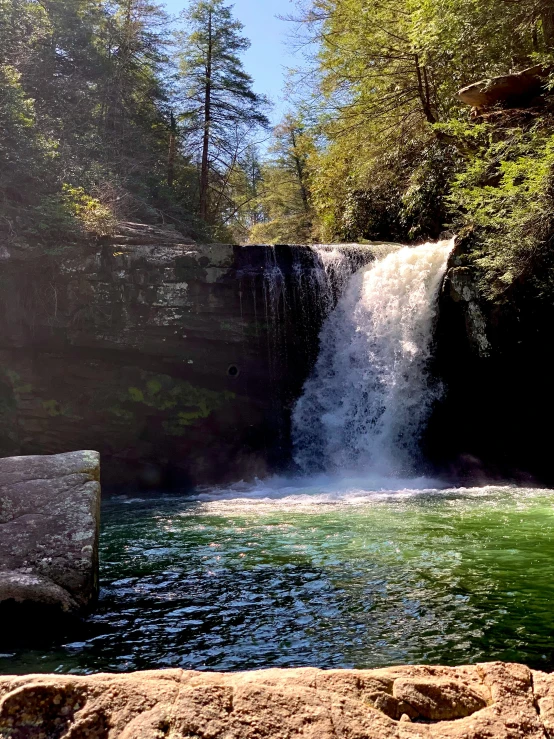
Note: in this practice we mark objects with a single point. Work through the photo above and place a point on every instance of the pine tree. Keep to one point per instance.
(133, 87)
(220, 106)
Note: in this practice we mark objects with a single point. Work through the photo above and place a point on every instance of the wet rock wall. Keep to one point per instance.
(494, 359)
(179, 363)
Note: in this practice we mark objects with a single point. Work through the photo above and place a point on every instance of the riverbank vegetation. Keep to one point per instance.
(393, 153)
(111, 110)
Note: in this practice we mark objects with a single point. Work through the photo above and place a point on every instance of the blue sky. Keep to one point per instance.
(270, 55)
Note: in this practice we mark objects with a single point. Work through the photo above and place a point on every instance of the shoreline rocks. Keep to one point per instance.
(49, 529)
(485, 700)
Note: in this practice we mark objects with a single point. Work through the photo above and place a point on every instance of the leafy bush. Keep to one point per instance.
(504, 198)
(93, 216)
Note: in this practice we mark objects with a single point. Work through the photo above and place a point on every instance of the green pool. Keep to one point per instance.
(328, 574)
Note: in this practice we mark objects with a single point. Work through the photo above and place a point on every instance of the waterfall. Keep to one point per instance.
(366, 403)
(333, 266)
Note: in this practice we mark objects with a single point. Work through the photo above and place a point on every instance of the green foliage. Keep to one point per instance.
(505, 198)
(293, 229)
(284, 192)
(395, 154)
(82, 131)
(220, 111)
(94, 217)
(94, 128)
(98, 124)
(184, 404)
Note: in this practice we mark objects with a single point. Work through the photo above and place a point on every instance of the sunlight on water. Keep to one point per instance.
(329, 575)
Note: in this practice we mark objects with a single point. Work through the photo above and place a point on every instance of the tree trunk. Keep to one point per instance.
(300, 173)
(547, 18)
(204, 172)
(424, 91)
(172, 151)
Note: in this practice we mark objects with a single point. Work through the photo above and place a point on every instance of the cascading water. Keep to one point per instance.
(333, 267)
(366, 403)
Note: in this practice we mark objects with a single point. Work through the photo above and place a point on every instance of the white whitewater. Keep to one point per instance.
(358, 423)
(366, 404)
(336, 265)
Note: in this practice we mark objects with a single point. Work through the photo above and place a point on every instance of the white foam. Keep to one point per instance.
(320, 489)
(370, 394)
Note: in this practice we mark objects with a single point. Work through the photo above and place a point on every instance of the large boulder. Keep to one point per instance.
(509, 90)
(487, 700)
(49, 525)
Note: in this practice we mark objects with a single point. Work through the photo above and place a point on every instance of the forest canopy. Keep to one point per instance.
(111, 110)
(391, 152)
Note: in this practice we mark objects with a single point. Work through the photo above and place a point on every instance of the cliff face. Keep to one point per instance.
(178, 362)
(495, 362)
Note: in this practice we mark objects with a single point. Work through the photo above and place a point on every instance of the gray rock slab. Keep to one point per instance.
(49, 527)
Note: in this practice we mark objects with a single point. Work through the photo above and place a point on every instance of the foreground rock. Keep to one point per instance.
(49, 519)
(488, 700)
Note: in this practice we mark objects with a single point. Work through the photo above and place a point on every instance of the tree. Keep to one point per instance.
(285, 197)
(385, 80)
(291, 147)
(134, 120)
(239, 208)
(84, 88)
(220, 107)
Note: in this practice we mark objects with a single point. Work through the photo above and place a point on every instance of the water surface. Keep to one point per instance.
(327, 574)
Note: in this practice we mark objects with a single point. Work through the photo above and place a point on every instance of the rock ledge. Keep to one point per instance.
(486, 700)
(519, 88)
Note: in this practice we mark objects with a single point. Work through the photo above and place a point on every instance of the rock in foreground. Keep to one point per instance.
(49, 520)
(488, 700)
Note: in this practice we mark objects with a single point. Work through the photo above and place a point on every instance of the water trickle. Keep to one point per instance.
(274, 286)
(368, 398)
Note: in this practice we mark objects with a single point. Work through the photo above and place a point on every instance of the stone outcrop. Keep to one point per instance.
(492, 701)
(508, 90)
(459, 286)
(178, 362)
(49, 525)
(494, 361)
